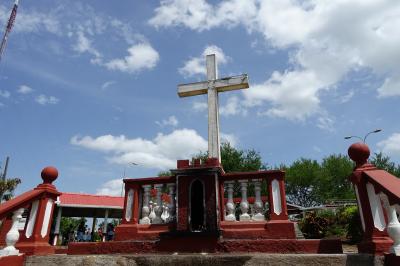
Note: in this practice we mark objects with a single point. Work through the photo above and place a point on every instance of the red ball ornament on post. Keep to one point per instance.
(359, 152)
(49, 174)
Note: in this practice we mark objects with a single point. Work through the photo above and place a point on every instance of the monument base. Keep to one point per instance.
(17, 260)
(210, 244)
(125, 232)
(255, 230)
(35, 248)
(377, 246)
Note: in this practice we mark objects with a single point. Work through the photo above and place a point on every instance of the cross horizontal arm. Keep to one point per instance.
(223, 84)
(192, 89)
(232, 83)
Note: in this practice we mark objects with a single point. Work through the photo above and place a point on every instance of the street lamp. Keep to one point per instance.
(365, 137)
(129, 164)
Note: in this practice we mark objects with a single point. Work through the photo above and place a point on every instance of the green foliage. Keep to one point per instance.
(164, 173)
(309, 183)
(383, 162)
(301, 181)
(354, 230)
(7, 187)
(237, 160)
(69, 225)
(314, 226)
(344, 223)
(335, 170)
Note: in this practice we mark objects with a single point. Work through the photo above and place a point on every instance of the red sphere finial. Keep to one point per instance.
(49, 174)
(359, 153)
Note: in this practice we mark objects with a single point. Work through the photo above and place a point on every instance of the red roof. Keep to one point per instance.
(76, 199)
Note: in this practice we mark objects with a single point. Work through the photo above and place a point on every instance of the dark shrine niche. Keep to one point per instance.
(197, 213)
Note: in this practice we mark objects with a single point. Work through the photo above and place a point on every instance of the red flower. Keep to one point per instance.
(153, 192)
(251, 200)
(165, 198)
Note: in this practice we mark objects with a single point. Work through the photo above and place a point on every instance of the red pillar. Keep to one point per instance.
(375, 238)
(35, 237)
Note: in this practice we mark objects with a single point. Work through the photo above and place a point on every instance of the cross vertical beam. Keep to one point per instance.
(213, 113)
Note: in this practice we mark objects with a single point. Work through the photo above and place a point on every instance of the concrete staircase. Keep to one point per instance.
(248, 259)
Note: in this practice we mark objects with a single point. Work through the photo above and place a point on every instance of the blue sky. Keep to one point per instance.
(90, 86)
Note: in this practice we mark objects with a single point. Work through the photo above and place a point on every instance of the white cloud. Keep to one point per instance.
(326, 40)
(347, 97)
(233, 106)
(45, 100)
(141, 56)
(391, 145)
(107, 84)
(160, 152)
(200, 15)
(197, 65)
(111, 188)
(84, 45)
(326, 122)
(24, 89)
(170, 121)
(31, 21)
(5, 94)
(230, 138)
(200, 106)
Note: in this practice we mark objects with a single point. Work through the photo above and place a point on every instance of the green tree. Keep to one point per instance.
(334, 183)
(383, 162)
(302, 182)
(237, 160)
(7, 187)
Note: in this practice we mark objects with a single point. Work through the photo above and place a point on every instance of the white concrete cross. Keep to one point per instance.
(212, 87)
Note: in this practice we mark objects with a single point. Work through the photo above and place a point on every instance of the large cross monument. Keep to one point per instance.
(212, 87)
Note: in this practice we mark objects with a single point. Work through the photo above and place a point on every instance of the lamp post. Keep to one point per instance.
(365, 137)
(129, 164)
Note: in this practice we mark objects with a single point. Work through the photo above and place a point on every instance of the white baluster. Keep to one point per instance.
(244, 204)
(152, 214)
(230, 205)
(258, 204)
(393, 227)
(12, 235)
(165, 214)
(146, 208)
(171, 206)
(158, 209)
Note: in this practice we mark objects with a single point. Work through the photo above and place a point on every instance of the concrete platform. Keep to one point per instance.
(243, 259)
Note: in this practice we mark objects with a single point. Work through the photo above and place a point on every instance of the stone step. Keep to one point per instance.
(247, 259)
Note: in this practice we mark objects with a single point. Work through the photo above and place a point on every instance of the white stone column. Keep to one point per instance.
(57, 228)
(12, 235)
(258, 204)
(376, 208)
(171, 207)
(230, 205)
(158, 208)
(129, 202)
(393, 227)
(244, 204)
(146, 208)
(105, 225)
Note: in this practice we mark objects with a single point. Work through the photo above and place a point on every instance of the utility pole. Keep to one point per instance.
(4, 176)
(9, 26)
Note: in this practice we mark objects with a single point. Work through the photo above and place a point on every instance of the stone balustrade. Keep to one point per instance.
(150, 200)
(240, 206)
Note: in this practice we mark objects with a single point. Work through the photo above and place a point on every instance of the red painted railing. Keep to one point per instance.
(40, 205)
(378, 196)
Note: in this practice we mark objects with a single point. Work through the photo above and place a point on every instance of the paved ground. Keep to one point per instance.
(206, 259)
